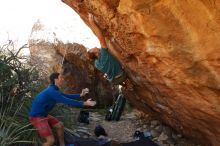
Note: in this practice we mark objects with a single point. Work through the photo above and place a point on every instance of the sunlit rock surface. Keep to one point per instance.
(170, 50)
(56, 56)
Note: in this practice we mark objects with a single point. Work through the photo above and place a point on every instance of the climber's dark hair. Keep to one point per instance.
(91, 55)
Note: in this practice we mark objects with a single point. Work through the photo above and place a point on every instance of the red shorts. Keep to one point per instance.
(44, 124)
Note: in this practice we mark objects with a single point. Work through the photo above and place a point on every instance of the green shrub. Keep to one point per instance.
(19, 83)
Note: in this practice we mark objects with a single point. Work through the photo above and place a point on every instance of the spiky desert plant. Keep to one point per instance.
(18, 81)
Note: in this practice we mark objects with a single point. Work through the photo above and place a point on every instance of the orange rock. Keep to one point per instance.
(171, 52)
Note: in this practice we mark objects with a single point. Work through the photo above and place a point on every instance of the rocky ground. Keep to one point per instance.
(124, 129)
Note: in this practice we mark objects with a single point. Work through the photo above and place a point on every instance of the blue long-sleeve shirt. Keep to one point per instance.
(47, 99)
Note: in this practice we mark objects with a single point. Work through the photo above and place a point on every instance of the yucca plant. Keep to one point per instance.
(18, 81)
(13, 133)
(14, 126)
(18, 85)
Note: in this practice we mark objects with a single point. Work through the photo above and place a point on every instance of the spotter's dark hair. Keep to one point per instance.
(54, 76)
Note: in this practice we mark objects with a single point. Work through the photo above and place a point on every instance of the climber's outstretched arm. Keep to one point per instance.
(97, 31)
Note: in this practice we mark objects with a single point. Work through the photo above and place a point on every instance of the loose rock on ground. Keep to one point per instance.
(124, 129)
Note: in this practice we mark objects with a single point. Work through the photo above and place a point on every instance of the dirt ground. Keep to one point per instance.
(124, 129)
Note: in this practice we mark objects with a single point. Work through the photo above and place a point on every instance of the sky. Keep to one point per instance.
(18, 16)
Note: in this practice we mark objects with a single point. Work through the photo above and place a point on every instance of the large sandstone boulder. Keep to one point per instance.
(170, 50)
(56, 56)
(79, 71)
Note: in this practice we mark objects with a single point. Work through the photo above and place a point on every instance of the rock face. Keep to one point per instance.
(71, 58)
(170, 50)
(80, 73)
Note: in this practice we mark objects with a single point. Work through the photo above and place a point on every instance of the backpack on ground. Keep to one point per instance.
(115, 111)
(83, 117)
